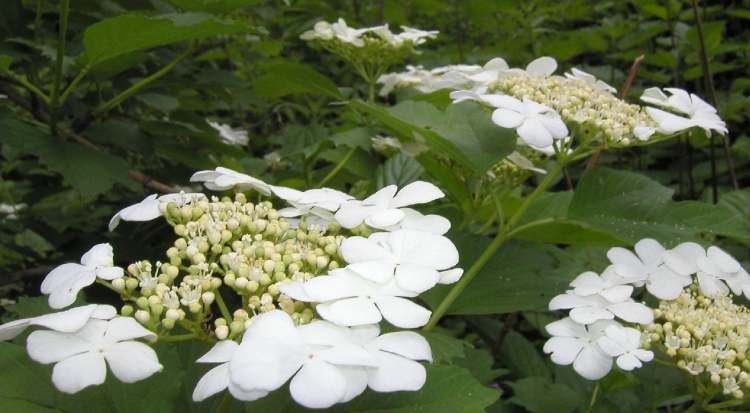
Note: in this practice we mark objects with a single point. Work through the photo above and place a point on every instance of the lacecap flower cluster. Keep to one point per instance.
(696, 321)
(293, 293)
(541, 106)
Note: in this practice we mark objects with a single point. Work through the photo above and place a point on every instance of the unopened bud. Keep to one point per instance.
(142, 316)
(118, 284)
(222, 332)
(208, 297)
(127, 310)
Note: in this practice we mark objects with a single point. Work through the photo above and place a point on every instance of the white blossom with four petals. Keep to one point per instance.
(699, 113)
(624, 343)
(218, 378)
(592, 308)
(576, 344)
(67, 321)
(538, 125)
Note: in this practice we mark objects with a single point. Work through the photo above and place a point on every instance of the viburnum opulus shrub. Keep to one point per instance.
(331, 292)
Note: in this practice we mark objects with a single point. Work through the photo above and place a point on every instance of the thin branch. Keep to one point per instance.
(709, 84)
(631, 77)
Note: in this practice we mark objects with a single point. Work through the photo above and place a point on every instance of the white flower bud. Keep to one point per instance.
(142, 316)
(118, 284)
(208, 298)
(222, 332)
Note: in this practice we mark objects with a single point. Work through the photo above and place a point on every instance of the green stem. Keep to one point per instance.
(594, 395)
(223, 307)
(71, 87)
(145, 82)
(179, 337)
(491, 249)
(338, 167)
(225, 403)
(30, 87)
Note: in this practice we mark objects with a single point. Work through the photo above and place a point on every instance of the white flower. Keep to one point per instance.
(416, 36)
(63, 283)
(151, 207)
(413, 258)
(648, 266)
(347, 299)
(396, 354)
(11, 210)
(348, 34)
(383, 208)
(222, 179)
(80, 356)
(590, 79)
(540, 67)
(538, 125)
(322, 30)
(700, 114)
(573, 343)
(609, 285)
(417, 221)
(327, 367)
(67, 321)
(625, 344)
(321, 202)
(218, 378)
(228, 135)
(714, 268)
(592, 308)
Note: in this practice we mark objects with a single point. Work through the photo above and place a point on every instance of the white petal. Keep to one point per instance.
(356, 381)
(611, 347)
(450, 276)
(592, 364)
(131, 361)
(403, 313)
(318, 385)
(61, 276)
(109, 273)
(376, 271)
(683, 259)
(395, 373)
(350, 311)
(650, 251)
(565, 327)
(78, 372)
(665, 285)
(633, 312)
(542, 66)
(99, 255)
(69, 321)
(245, 395)
(323, 333)
(626, 263)
(277, 359)
(628, 362)
(359, 249)
(418, 192)
(221, 352)
(534, 133)
(617, 293)
(384, 218)
(214, 381)
(11, 329)
(563, 350)
(382, 197)
(423, 248)
(567, 301)
(404, 343)
(414, 220)
(589, 315)
(51, 346)
(416, 278)
(126, 328)
(342, 283)
(347, 354)
(668, 122)
(654, 96)
(507, 118)
(587, 283)
(554, 124)
(354, 213)
(711, 286)
(724, 261)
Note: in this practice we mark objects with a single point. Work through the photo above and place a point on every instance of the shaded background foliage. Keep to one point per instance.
(126, 116)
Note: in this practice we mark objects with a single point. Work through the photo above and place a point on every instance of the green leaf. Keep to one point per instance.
(631, 206)
(399, 170)
(87, 170)
(213, 6)
(520, 277)
(128, 33)
(540, 395)
(5, 62)
(445, 348)
(33, 241)
(522, 357)
(356, 137)
(286, 78)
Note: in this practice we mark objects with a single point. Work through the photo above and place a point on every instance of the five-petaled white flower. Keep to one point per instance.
(609, 285)
(64, 282)
(347, 299)
(647, 266)
(222, 179)
(326, 365)
(151, 207)
(228, 135)
(625, 344)
(576, 344)
(67, 321)
(699, 113)
(538, 125)
(348, 34)
(592, 308)
(318, 205)
(413, 258)
(590, 79)
(218, 378)
(383, 209)
(81, 357)
(416, 36)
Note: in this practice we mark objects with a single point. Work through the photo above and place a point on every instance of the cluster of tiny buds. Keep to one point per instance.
(705, 335)
(602, 116)
(234, 243)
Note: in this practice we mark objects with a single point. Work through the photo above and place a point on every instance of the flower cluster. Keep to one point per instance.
(369, 50)
(296, 292)
(422, 79)
(692, 283)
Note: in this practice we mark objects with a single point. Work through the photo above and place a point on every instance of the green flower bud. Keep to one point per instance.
(167, 323)
(118, 284)
(252, 286)
(131, 284)
(222, 332)
(180, 230)
(180, 244)
(142, 303)
(142, 316)
(127, 310)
